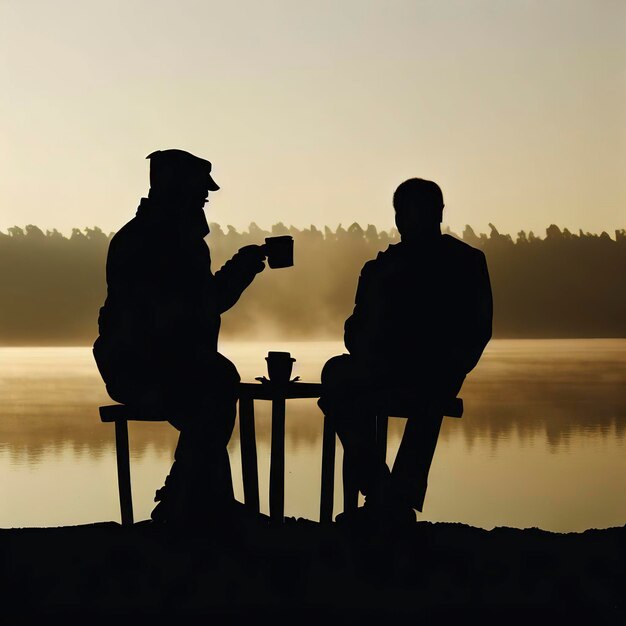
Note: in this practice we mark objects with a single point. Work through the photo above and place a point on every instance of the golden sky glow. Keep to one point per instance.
(313, 112)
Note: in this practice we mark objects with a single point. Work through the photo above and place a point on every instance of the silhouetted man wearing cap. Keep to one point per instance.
(421, 320)
(159, 327)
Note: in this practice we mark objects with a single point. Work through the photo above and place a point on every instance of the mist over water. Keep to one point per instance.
(542, 441)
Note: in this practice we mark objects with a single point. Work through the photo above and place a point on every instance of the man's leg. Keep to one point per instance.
(202, 452)
(417, 448)
(200, 480)
(348, 400)
(409, 477)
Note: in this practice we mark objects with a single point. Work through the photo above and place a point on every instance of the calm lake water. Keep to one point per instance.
(541, 443)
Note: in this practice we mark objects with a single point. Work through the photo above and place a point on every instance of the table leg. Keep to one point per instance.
(249, 467)
(123, 471)
(277, 462)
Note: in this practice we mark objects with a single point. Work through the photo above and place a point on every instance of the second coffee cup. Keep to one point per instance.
(279, 366)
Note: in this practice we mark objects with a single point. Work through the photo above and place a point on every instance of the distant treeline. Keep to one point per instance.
(560, 285)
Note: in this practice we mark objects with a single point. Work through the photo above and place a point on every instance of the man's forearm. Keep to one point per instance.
(236, 275)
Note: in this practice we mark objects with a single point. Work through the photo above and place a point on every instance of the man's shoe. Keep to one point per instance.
(359, 516)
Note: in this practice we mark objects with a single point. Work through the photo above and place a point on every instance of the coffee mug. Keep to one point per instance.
(279, 366)
(279, 251)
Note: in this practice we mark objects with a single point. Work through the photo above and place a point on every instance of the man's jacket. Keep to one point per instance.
(422, 313)
(161, 317)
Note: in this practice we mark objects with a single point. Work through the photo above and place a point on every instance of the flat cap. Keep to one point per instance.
(172, 167)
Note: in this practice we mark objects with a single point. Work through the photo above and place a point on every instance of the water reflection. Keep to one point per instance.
(547, 417)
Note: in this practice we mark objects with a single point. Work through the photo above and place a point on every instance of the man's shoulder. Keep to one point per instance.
(124, 238)
(382, 259)
(128, 231)
(133, 242)
(138, 232)
(457, 247)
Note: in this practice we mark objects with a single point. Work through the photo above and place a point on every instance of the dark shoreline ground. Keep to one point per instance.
(305, 573)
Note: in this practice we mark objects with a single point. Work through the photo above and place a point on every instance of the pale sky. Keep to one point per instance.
(313, 112)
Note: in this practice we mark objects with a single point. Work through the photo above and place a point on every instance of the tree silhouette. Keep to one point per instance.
(562, 285)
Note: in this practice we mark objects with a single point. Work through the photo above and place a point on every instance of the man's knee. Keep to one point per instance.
(346, 388)
(338, 370)
(336, 373)
(208, 418)
(225, 371)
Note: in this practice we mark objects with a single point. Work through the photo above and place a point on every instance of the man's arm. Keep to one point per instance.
(237, 274)
(479, 312)
(463, 348)
(359, 335)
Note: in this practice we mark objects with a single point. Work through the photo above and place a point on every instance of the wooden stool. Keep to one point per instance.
(400, 407)
(121, 414)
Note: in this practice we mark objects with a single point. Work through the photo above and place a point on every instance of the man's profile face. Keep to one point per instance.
(195, 196)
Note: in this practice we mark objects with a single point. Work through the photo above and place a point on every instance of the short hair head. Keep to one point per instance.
(418, 194)
(418, 204)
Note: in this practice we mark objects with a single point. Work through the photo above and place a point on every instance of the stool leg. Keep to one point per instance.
(328, 472)
(249, 467)
(277, 462)
(123, 471)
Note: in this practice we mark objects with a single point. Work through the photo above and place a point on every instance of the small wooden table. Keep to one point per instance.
(278, 394)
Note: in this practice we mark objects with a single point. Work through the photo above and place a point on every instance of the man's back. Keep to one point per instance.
(421, 308)
(161, 309)
(421, 320)
(158, 283)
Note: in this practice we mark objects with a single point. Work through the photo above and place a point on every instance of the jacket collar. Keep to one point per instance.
(159, 215)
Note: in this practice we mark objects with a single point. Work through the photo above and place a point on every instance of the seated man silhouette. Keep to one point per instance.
(421, 320)
(158, 331)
